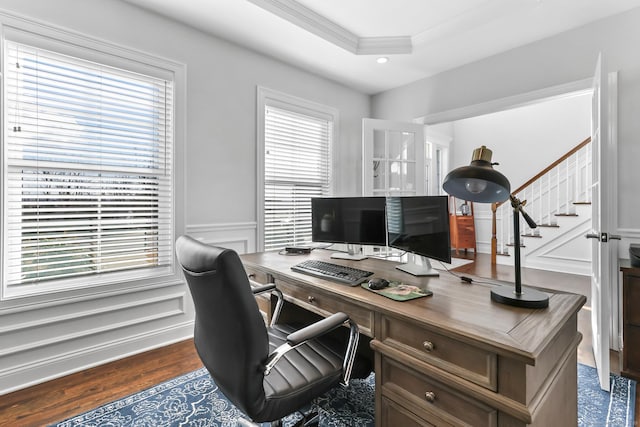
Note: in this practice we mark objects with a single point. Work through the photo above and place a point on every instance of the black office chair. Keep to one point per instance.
(267, 372)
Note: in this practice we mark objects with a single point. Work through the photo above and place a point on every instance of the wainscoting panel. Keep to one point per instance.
(80, 321)
(51, 339)
(102, 350)
(629, 236)
(240, 237)
(564, 249)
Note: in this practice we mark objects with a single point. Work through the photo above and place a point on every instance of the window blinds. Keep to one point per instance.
(297, 168)
(88, 155)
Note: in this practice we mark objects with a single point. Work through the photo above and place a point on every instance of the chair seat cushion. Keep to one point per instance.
(303, 373)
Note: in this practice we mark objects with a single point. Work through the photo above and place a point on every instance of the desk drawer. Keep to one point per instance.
(257, 275)
(325, 304)
(439, 403)
(464, 360)
(395, 415)
(466, 240)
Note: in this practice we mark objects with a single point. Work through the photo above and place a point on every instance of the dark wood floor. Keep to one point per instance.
(74, 394)
(77, 393)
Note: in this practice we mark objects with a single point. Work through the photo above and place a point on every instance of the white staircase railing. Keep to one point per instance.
(552, 193)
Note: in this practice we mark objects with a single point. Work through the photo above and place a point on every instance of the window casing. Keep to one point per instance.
(297, 138)
(87, 166)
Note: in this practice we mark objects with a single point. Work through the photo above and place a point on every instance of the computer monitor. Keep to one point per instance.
(420, 226)
(350, 220)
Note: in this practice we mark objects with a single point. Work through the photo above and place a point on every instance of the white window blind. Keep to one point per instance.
(88, 168)
(297, 168)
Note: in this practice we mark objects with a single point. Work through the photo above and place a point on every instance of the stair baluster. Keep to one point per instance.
(568, 182)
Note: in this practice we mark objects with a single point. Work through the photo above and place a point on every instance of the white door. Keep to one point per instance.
(604, 254)
(437, 160)
(392, 158)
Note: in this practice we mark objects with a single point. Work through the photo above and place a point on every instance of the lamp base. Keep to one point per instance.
(528, 298)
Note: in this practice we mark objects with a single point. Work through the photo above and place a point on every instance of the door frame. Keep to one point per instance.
(584, 86)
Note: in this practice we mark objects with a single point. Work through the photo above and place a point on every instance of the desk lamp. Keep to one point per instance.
(479, 182)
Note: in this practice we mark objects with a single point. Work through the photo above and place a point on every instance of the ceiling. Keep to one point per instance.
(342, 39)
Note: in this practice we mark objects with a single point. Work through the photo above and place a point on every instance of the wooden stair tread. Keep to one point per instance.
(549, 225)
(565, 214)
(537, 236)
(581, 203)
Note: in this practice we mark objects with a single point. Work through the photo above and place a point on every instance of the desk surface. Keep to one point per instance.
(461, 309)
(453, 358)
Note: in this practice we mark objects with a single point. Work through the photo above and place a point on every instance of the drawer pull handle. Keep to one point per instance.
(311, 299)
(428, 346)
(430, 396)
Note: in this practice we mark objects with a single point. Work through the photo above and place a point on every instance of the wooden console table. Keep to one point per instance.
(454, 358)
(462, 227)
(630, 320)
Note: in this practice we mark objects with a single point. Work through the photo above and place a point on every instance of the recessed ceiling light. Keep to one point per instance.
(382, 60)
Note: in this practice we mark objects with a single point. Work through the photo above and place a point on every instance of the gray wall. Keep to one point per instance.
(47, 337)
(558, 60)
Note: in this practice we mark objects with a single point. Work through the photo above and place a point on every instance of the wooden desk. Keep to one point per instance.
(455, 358)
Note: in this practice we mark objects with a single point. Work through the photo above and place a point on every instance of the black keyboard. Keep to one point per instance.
(339, 273)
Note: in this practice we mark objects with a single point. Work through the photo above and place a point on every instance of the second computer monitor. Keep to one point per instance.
(420, 225)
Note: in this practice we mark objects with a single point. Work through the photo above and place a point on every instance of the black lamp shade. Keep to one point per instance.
(478, 182)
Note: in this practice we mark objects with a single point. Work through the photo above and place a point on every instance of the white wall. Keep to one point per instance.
(48, 337)
(558, 60)
(524, 141)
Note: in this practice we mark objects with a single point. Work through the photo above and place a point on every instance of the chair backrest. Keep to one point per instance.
(230, 334)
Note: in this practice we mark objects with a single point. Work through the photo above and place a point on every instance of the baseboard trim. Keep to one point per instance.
(72, 362)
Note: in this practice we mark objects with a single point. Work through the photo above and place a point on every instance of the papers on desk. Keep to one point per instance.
(399, 291)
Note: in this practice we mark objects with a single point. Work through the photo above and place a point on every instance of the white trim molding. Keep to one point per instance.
(554, 92)
(60, 338)
(328, 30)
(240, 236)
(57, 366)
(269, 97)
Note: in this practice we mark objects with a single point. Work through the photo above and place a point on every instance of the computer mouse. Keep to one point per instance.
(377, 284)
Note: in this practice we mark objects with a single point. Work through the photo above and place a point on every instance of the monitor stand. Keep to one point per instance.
(354, 253)
(423, 268)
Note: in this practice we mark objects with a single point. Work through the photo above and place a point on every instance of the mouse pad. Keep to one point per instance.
(398, 291)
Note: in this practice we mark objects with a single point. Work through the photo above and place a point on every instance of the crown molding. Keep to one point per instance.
(384, 45)
(328, 30)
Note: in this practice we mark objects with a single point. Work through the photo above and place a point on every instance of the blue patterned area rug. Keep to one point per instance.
(598, 408)
(194, 400)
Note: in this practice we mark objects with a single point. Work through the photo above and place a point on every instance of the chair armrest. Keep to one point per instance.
(314, 331)
(258, 288)
(317, 329)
